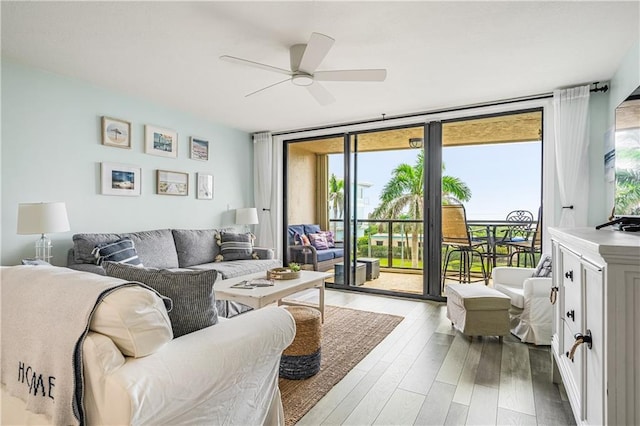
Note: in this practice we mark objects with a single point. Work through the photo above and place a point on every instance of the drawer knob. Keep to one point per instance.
(553, 297)
(571, 314)
(580, 339)
(569, 275)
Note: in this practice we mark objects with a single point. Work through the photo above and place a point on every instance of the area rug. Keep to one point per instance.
(348, 335)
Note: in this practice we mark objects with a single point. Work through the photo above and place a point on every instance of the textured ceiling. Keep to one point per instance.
(438, 54)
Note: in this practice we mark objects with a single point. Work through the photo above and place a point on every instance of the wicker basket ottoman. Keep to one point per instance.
(301, 359)
(478, 310)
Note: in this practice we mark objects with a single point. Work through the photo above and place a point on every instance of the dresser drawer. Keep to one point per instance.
(573, 383)
(571, 275)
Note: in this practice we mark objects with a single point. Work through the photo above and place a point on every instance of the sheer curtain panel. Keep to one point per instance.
(571, 108)
(263, 188)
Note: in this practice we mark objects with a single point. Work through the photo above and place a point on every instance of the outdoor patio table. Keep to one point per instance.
(491, 228)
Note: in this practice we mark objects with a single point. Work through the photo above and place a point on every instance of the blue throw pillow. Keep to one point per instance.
(120, 251)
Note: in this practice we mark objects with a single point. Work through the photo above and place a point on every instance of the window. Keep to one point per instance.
(378, 243)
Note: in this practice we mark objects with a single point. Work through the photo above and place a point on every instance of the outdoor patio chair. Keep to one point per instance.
(456, 238)
(518, 232)
(528, 248)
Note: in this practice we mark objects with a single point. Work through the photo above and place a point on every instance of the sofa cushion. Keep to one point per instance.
(294, 230)
(311, 229)
(235, 246)
(237, 268)
(195, 246)
(322, 255)
(194, 303)
(120, 251)
(135, 318)
(83, 245)
(156, 249)
(515, 293)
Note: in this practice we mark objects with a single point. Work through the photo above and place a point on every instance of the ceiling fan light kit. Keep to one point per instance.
(304, 61)
(302, 80)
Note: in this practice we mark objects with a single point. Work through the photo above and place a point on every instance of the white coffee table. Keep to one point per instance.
(259, 297)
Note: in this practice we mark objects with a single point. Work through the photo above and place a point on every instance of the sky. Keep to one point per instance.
(502, 177)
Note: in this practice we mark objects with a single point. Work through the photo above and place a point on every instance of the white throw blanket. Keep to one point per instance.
(46, 312)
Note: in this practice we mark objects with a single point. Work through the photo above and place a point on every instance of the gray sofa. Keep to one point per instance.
(175, 249)
(189, 249)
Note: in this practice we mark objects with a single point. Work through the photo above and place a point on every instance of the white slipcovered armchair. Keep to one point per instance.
(531, 311)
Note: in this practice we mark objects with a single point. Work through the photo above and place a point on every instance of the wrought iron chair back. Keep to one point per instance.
(521, 230)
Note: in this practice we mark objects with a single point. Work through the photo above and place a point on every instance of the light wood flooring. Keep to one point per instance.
(426, 373)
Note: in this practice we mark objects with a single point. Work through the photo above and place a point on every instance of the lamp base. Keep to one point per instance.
(43, 248)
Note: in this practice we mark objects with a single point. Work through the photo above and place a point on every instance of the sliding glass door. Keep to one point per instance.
(380, 193)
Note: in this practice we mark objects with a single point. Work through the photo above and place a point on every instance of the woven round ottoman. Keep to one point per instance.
(301, 359)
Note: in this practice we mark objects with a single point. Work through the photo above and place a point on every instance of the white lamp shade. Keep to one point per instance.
(247, 216)
(42, 218)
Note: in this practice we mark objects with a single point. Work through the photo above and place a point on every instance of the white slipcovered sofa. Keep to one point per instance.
(531, 312)
(135, 372)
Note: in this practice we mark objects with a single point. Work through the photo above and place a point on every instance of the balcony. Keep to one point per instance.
(399, 271)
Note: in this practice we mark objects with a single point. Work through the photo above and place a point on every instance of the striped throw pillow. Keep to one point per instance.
(235, 246)
(121, 251)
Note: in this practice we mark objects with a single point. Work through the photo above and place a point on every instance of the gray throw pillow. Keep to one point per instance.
(194, 304)
(543, 270)
(235, 246)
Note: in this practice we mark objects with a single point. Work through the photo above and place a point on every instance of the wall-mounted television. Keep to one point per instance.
(627, 157)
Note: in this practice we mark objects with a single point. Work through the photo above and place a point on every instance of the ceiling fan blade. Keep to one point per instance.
(317, 49)
(321, 94)
(241, 61)
(268, 87)
(351, 75)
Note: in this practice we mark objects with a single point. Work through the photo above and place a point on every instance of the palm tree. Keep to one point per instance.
(627, 192)
(404, 194)
(336, 196)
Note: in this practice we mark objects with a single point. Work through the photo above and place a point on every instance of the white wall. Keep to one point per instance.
(51, 151)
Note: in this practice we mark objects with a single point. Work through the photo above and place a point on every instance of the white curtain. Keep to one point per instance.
(571, 109)
(263, 178)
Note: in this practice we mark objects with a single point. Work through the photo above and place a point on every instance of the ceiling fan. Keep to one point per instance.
(305, 59)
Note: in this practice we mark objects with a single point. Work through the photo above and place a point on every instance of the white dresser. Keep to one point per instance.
(597, 277)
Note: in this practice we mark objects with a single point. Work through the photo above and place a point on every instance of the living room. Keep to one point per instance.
(64, 68)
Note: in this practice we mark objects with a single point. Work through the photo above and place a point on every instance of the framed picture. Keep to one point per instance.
(121, 179)
(205, 186)
(116, 132)
(172, 183)
(199, 149)
(162, 142)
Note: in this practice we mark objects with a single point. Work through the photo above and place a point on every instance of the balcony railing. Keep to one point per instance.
(390, 240)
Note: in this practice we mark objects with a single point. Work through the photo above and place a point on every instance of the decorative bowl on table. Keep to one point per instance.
(282, 274)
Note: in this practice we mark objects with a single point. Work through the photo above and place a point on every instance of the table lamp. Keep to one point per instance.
(248, 216)
(42, 218)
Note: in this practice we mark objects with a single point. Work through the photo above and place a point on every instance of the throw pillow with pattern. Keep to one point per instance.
(235, 246)
(120, 251)
(194, 302)
(331, 241)
(543, 270)
(319, 241)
